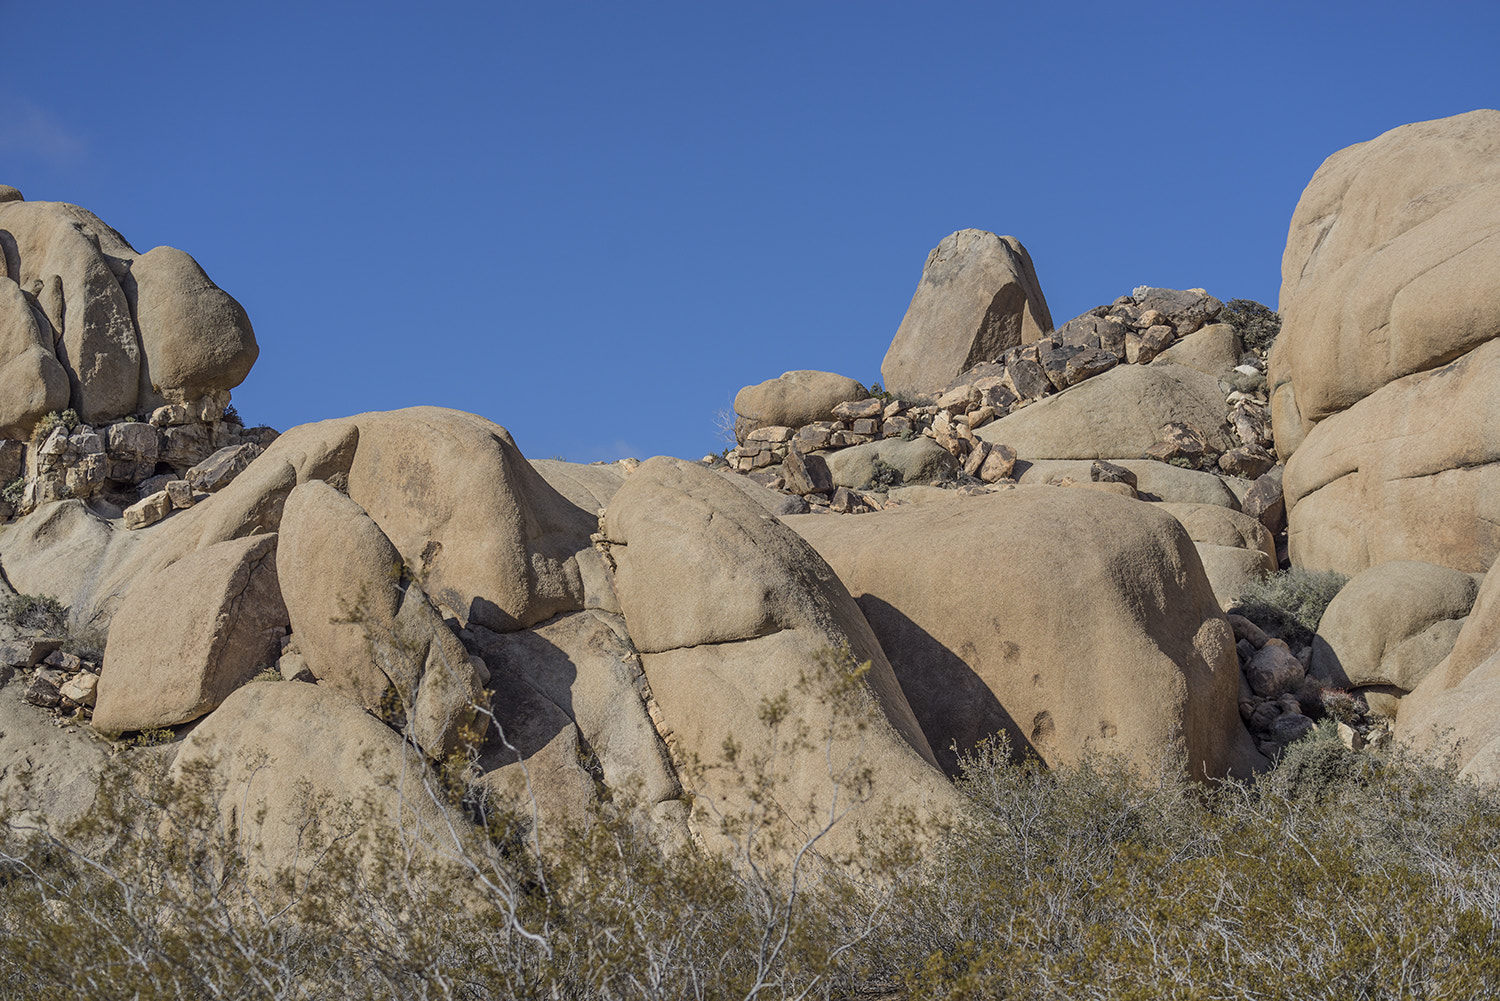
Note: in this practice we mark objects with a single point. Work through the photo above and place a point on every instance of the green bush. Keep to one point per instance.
(883, 475)
(1290, 603)
(67, 419)
(39, 612)
(14, 490)
(1257, 325)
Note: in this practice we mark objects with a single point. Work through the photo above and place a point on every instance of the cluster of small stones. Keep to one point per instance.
(1280, 700)
(57, 680)
(179, 454)
(1132, 330)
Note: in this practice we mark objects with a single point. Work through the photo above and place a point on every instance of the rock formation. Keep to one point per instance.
(1038, 535)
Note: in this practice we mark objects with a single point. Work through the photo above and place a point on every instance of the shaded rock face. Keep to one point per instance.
(1381, 378)
(978, 296)
(128, 331)
(1127, 651)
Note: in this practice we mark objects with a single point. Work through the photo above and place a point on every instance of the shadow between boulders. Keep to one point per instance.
(954, 707)
(532, 681)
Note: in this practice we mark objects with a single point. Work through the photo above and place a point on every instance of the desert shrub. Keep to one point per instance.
(1290, 603)
(14, 490)
(1243, 383)
(883, 475)
(1257, 325)
(1098, 881)
(67, 419)
(1337, 875)
(232, 416)
(40, 612)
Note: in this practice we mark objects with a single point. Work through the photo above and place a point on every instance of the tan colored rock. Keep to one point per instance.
(1411, 472)
(1392, 624)
(978, 295)
(794, 399)
(576, 673)
(67, 257)
(365, 627)
(218, 470)
(1391, 262)
(472, 519)
(1126, 651)
(1455, 710)
(1214, 350)
(32, 381)
(1155, 481)
(588, 487)
(1118, 413)
(1231, 570)
(1216, 525)
(920, 460)
(195, 337)
(187, 636)
(294, 767)
(148, 510)
(732, 611)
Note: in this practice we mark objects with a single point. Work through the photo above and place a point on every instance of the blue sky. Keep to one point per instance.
(592, 223)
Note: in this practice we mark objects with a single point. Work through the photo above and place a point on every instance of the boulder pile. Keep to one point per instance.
(677, 638)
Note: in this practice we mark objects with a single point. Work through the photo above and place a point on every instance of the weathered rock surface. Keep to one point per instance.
(978, 296)
(1213, 350)
(1391, 263)
(575, 683)
(1125, 651)
(1455, 710)
(32, 381)
(920, 460)
(732, 611)
(792, 400)
(293, 767)
(1392, 624)
(128, 330)
(188, 635)
(1119, 413)
(1410, 472)
(365, 627)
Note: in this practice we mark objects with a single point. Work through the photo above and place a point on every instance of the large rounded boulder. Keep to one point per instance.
(761, 668)
(1070, 620)
(1382, 375)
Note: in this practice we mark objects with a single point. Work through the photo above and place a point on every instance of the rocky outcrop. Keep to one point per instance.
(978, 296)
(732, 612)
(1454, 712)
(129, 331)
(1119, 413)
(294, 768)
(1381, 376)
(189, 635)
(365, 627)
(987, 637)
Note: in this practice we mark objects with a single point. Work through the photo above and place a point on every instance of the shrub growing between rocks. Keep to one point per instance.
(1290, 603)
(1256, 324)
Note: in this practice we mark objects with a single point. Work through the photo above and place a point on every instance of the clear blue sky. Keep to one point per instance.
(594, 222)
